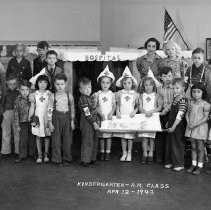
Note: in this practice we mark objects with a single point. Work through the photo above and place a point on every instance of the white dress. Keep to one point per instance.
(148, 104)
(105, 102)
(41, 104)
(127, 102)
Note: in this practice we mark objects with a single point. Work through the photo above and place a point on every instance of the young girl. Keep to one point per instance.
(19, 65)
(197, 126)
(176, 126)
(149, 103)
(127, 104)
(39, 103)
(106, 107)
(173, 59)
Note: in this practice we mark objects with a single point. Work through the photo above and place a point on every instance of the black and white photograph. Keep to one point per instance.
(105, 104)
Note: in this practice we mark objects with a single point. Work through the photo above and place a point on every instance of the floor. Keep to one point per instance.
(127, 186)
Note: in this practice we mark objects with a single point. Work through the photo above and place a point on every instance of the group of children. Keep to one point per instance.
(47, 112)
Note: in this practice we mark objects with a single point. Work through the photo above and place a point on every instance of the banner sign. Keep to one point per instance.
(139, 123)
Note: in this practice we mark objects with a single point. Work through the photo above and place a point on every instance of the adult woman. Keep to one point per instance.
(150, 60)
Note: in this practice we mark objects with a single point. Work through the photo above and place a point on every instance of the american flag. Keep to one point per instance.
(169, 27)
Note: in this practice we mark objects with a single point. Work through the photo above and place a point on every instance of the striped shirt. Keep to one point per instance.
(167, 94)
(182, 103)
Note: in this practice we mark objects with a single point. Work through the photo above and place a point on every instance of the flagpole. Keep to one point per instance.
(178, 31)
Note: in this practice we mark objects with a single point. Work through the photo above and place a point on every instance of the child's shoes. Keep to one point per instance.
(39, 159)
(144, 159)
(102, 156)
(124, 156)
(46, 158)
(191, 169)
(150, 160)
(177, 169)
(197, 171)
(107, 156)
(18, 160)
(168, 166)
(129, 157)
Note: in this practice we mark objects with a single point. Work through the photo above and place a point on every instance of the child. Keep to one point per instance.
(176, 126)
(19, 65)
(127, 104)
(106, 107)
(61, 114)
(197, 126)
(167, 94)
(22, 124)
(8, 124)
(149, 103)
(51, 70)
(39, 62)
(88, 124)
(173, 59)
(198, 72)
(39, 103)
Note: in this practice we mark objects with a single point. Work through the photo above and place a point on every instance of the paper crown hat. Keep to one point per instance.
(106, 73)
(150, 74)
(125, 74)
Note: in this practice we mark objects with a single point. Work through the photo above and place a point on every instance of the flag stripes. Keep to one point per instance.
(169, 27)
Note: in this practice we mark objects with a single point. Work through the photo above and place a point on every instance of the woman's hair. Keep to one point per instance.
(171, 43)
(141, 87)
(200, 86)
(133, 84)
(152, 40)
(42, 78)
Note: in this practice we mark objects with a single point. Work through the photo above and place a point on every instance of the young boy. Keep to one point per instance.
(88, 124)
(22, 124)
(176, 126)
(19, 65)
(8, 100)
(50, 70)
(61, 115)
(198, 72)
(39, 62)
(167, 93)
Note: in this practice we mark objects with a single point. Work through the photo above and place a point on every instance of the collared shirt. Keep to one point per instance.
(167, 94)
(143, 64)
(61, 102)
(88, 108)
(176, 64)
(21, 69)
(9, 98)
(39, 64)
(21, 110)
(194, 74)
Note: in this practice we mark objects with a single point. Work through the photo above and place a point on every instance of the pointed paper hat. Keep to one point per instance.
(106, 73)
(125, 74)
(150, 74)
